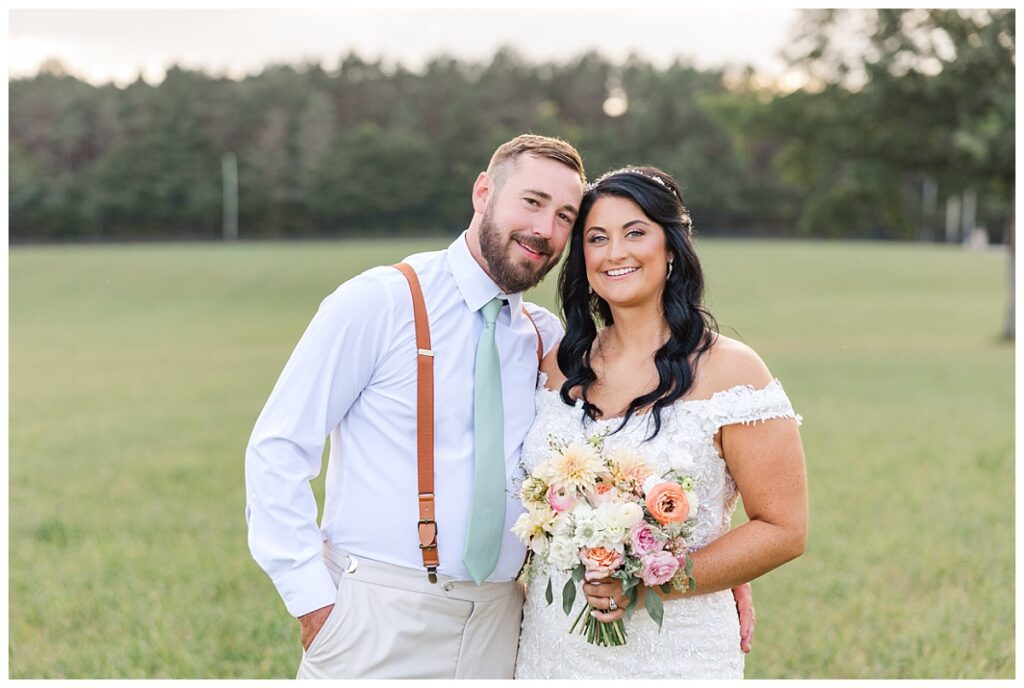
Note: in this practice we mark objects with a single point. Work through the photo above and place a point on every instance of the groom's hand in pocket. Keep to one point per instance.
(311, 624)
(744, 597)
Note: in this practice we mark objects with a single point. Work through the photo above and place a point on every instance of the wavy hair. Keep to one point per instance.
(692, 328)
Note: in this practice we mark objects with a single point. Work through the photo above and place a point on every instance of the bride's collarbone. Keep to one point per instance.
(614, 393)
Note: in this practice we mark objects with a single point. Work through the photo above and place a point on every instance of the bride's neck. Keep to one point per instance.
(638, 332)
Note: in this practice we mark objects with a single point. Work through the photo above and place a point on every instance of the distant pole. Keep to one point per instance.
(952, 218)
(929, 199)
(229, 167)
(970, 211)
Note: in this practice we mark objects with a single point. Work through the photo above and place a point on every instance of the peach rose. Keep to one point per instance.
(601, 559)
(667, 503)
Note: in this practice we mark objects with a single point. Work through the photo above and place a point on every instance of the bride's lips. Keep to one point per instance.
(634, 270)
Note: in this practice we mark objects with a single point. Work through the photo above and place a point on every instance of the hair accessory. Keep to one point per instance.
(634, 170)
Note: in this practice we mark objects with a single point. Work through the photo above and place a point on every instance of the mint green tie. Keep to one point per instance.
(487, 519)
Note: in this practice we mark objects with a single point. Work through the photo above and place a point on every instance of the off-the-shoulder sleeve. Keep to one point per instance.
(744, 404)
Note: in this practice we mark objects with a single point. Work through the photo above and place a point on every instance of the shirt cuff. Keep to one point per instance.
(307, 588)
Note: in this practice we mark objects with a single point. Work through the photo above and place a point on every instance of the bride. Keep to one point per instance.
(659, 378)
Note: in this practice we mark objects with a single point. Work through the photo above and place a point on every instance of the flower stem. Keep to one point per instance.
(586, 609)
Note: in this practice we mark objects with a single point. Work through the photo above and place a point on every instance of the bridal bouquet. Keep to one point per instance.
(607, 513)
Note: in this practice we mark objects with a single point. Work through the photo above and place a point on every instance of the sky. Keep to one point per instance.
(120, 44)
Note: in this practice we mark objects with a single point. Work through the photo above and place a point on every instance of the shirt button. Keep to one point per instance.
(448, 587)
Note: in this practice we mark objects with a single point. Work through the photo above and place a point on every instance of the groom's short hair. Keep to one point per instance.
(539, 146)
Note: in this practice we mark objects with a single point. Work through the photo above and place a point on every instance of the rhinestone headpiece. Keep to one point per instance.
(634, 170)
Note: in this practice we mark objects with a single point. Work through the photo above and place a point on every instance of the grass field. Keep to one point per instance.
(136, 373)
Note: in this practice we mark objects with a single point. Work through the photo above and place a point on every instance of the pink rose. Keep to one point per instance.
(658, 568)
(601, 559)
(643, 539)
(560, 499)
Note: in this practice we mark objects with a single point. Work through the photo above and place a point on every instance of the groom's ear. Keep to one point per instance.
(483, 188)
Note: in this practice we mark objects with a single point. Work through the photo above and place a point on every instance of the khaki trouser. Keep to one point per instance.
(392, 622)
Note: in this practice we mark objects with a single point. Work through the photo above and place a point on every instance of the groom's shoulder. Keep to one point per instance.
(548, 324)
(378, 288)
(539, 312)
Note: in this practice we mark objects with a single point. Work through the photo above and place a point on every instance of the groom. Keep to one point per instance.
(366, 604)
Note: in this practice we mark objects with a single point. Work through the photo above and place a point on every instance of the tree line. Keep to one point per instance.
(905, 138)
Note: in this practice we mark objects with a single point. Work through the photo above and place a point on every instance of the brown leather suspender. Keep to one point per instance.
(427, 525)
(540, 342)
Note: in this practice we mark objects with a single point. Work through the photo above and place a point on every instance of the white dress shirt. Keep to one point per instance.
(353, 375)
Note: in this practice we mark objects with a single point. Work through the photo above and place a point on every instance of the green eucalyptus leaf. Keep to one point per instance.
(654, 606)
(568, 596)
(548, 594)
(578, 573)
(633, 596)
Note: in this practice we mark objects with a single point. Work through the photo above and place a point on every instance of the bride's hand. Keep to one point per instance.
(600, 592)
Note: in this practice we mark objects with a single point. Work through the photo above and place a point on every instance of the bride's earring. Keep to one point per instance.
(590, 290)
(669, 273)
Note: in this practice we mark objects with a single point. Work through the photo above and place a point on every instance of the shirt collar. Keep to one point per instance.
(475, 285)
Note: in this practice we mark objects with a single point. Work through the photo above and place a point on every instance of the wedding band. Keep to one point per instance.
(611, 604)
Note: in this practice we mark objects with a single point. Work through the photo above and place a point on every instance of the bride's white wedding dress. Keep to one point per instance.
(700, 635)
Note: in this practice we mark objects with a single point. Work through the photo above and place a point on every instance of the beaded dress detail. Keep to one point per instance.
(700, 636)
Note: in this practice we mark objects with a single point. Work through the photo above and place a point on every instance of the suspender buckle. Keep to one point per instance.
(432, 574)
(428, 533)
(425, 352)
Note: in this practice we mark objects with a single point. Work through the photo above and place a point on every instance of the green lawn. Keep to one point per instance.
(136, 373)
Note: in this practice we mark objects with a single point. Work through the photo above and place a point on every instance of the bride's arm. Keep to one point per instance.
(766, 459)
(767, 462)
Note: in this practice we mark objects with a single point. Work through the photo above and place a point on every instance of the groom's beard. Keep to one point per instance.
(506, 268)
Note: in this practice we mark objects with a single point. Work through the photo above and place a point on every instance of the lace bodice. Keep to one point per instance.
(700, 636)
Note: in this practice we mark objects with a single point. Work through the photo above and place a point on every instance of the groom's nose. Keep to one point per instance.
(545, 225)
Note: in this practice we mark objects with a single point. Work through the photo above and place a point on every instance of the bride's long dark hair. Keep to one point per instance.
(692, 328)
